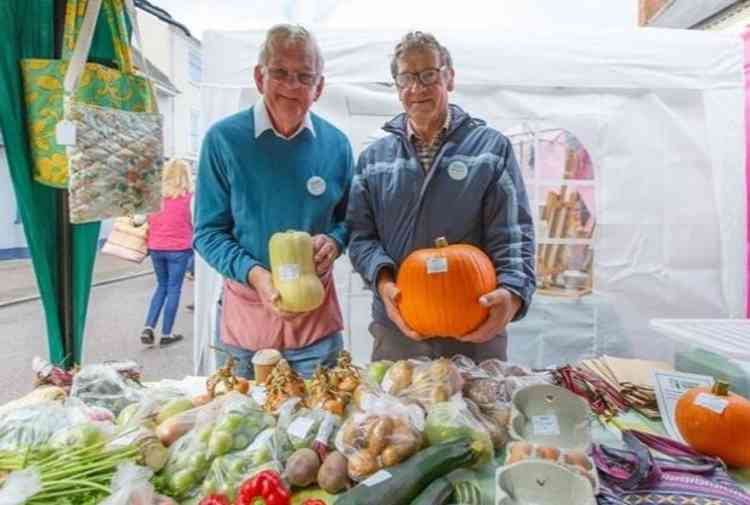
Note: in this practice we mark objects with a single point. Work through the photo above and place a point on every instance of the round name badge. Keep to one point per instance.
(316, 186)
(458, 170)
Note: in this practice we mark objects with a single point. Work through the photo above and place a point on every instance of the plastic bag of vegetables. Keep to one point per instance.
(228, 472)
(103, 386)
(131, 485)
(32, 426)
(156, 406)
(240, 421)
(174, 427)
(383, 436)
(301, 425)
(423, 381)
(188, 463)
(453, 420)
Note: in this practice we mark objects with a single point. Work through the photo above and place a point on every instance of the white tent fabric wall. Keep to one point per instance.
(661, 115)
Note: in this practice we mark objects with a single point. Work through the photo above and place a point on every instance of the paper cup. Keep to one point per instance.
(263, 362)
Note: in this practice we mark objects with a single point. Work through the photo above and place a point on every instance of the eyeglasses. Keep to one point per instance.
(427, 77)
(282, 75)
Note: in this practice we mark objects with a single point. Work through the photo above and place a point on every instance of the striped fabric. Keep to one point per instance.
(426, 151)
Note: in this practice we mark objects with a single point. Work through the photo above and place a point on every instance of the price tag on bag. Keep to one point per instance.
(65, 133)
(711, 402)
(437, 264)
(377, 478)
(300, 427)
(545, 425)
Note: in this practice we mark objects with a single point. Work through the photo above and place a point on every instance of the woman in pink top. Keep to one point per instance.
(170, 237)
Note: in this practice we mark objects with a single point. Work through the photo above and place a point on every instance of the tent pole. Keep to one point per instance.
(65, 233)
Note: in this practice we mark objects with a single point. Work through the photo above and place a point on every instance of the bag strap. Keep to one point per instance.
(83, 46)
(114, 11)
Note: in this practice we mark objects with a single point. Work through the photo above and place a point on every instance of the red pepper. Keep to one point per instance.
(314, 502)
(215, 499)
(265, 488)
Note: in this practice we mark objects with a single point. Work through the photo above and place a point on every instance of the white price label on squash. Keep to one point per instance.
(377, 478)
(300, 427)
(711, 402)
(289, 272)
(545, 425)
(437, 264)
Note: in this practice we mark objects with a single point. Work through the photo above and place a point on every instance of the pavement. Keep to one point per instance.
(115, 319)
(118, 303)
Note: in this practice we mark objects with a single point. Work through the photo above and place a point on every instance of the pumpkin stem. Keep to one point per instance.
(441, 242)
(720, 388)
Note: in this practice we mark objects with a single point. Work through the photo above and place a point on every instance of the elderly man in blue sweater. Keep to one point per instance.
(272, 168)
(439, 173)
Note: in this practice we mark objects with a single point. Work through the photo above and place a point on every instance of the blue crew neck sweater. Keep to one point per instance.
(250, 188)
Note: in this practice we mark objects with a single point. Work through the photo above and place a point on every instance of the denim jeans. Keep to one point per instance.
(303, 360)
(169, 267)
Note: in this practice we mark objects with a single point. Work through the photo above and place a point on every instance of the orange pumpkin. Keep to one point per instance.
(716, 422)
(440, 289)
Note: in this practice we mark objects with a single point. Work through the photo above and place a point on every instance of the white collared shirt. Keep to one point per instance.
(263, 122)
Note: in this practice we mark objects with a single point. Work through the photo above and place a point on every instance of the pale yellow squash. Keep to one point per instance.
(293, 271)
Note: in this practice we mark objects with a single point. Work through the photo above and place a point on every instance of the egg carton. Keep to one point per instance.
(539, 482)
(551, 416)
(574, 460)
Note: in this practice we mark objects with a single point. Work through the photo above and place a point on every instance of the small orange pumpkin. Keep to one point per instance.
(726, 434)
(440, 289)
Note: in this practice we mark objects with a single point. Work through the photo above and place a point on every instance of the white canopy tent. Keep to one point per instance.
(660, 114)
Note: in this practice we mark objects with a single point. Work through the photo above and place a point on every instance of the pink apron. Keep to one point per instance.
(248, 324)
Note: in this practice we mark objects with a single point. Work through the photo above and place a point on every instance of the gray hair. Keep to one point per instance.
(419, 41)
(290, 34)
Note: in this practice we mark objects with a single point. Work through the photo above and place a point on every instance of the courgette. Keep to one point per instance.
(467, 493)
(400, 484)
(439, 492)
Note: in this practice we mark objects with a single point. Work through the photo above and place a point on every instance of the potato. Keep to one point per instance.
(332, 476)
(440, 393)
(361, 464)
(399, 451)
(349, 433)
(400, 376)
(302, 467)
(380, 434)
(390, 456)
(334, 407)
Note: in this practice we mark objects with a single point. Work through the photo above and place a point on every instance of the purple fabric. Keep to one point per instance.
(633, 476)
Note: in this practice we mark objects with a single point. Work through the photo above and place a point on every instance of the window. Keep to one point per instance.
(195, 121)
(195, 64)
(559, 178)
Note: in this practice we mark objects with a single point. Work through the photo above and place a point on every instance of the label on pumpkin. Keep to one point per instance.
(437, 264)
(711, 402)
(545, 425)
(377, 478)
(289, 272)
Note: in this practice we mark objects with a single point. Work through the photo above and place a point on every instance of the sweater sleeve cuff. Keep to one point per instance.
(374, 271)
(246, 264)
(524, 292)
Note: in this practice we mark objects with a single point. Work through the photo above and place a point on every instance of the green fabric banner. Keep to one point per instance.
(28, 31)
